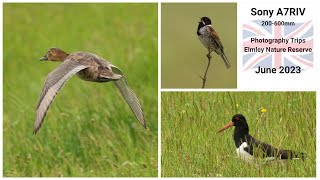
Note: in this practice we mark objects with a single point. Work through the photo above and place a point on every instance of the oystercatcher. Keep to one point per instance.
(249, 147)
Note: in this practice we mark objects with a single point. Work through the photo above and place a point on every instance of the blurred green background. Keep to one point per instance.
(89, 129)
(183, 57)
(191, 147)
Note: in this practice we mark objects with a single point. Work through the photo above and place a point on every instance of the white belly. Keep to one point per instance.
(244, 155)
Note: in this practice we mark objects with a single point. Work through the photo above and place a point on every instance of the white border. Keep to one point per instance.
(316, 44)
(159, 92)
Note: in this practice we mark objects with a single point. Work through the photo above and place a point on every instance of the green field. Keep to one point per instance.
(191, 146)
(89, 129)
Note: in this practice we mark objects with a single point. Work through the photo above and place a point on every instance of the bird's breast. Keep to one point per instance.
(206, 39)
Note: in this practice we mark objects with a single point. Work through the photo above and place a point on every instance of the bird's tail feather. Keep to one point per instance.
(289, 154)
(225, 60)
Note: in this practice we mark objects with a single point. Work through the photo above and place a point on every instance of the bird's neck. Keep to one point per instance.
(64, 56)
(199, 27)
(61, 57)
(240, 135)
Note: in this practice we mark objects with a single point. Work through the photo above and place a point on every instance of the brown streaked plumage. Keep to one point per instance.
(88, 67)
(210, 39)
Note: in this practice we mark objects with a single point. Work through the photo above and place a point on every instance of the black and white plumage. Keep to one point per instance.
(210, 39)
(249, 147)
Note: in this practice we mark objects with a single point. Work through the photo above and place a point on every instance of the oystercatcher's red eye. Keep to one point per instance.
(237, 118)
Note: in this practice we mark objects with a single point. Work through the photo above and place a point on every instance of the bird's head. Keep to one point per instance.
(54, 54)
(238, 120)
(205, 21)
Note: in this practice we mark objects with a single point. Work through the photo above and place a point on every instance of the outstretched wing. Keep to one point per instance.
(129, 96)
(54, 82)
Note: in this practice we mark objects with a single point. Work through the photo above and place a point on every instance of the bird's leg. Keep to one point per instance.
(208, 55)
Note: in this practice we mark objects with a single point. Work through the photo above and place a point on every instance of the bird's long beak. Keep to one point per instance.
(44, 58)
(226, 126)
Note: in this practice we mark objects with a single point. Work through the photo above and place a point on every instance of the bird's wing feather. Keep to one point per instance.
(129, 96)
(271, 152)
(54, 81)
(249, 147)
(219, 50)
(215, 36)
(248, 150)
(266, 149)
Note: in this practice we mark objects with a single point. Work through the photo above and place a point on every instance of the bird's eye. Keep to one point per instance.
(237, 118)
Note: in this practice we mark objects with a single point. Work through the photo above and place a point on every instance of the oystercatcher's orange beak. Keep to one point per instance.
(226, 126)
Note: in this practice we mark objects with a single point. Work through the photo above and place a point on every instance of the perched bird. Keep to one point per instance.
(249, 147)
(88, 67)
(210, 39)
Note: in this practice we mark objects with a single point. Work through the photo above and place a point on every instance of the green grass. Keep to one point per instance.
(191, 146)
(89, 129)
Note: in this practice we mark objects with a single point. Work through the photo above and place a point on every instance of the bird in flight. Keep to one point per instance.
(88, 67)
